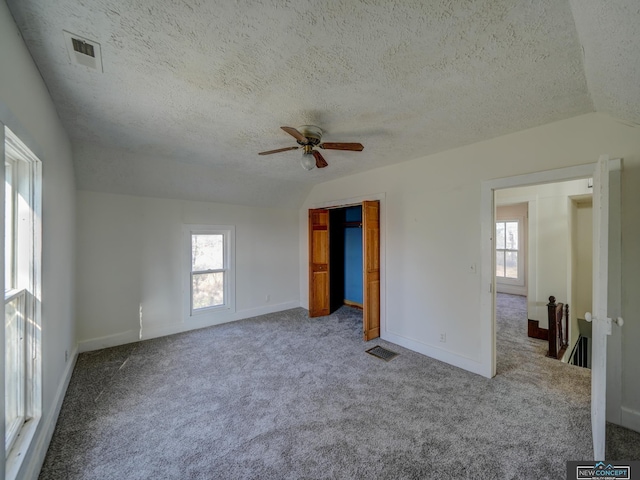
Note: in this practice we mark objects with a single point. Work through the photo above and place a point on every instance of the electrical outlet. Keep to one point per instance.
(443, 338)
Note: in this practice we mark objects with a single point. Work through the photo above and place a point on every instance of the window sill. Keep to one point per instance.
(18, 452)
(219, 309)
(510, 281)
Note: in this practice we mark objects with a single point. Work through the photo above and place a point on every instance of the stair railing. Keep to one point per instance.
(580, 353)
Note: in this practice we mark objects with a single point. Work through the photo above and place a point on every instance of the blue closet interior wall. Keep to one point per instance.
(353, 254)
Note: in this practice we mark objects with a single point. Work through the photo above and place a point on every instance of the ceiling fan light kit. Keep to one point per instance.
(309, 136)
(307, 161)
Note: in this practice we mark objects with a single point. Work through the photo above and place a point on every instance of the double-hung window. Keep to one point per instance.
(22, 278)
(211, 272)
(509, 256)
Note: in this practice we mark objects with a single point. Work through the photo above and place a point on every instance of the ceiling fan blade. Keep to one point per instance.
(269, 152)
(320, 161)
(296, 134)
(354, 147)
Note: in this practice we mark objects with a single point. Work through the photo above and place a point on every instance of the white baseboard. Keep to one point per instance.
(459, 361)
(108, 341)
(163, 330)
(32, 463)
(630, 419)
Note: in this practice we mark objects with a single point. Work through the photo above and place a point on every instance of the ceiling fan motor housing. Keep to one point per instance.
(312, 133)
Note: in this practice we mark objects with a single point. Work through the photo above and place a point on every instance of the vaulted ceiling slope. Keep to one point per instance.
(610, 36)
(191, 91)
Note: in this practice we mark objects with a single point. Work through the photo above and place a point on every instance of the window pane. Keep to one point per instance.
(500, 232)
(208, 290)
(207, 252)
(14, 368)
(511, 265)
(512, 236)
(500, 263)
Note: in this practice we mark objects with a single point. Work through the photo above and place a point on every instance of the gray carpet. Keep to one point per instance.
(282, 396)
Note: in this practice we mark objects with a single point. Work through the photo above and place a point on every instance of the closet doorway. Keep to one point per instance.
(344, 243)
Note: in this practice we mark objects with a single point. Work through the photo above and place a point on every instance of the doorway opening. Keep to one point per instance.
(543, 250)
(488, 255)
(538, 238)
(345, 253)
(332, 269)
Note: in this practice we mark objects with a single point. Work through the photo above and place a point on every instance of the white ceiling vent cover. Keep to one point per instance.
(83, 51)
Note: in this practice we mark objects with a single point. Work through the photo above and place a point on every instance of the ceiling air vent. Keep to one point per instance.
(83, 47)
(83, 51)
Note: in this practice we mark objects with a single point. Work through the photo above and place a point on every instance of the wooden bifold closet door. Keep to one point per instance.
(318, 262)
(371, 269)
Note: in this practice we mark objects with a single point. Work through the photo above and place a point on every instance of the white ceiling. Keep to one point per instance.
(193, 90)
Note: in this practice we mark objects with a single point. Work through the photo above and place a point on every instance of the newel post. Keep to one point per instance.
(553, 334)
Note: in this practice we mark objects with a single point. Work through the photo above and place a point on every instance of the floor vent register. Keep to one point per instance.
(382, 353)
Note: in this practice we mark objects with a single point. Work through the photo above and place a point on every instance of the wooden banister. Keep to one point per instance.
(558, 336)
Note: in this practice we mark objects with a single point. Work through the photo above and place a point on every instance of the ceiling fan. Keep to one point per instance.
(308, 136)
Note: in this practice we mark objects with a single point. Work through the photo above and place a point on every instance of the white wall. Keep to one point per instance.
(432, 212)
(131, 254)
(549, 241)
(27, 109)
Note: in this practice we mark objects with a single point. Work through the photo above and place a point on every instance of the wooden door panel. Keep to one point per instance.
(320, 293)
(318, 262)
(371, 269)
(320, 250)
(372, 319)
(373, 247)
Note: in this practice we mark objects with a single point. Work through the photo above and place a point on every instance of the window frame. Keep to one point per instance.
(27, 281)
(228, 234)
(520, 280)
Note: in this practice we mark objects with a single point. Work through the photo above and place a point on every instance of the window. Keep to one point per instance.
(22, 237)
(509, 263)
(210, 268)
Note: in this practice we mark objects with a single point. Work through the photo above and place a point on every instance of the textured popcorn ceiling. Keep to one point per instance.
(192, 90)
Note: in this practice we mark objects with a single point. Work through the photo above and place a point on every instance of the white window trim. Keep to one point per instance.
(229, 305)
(11, 269)
(13, 147)
(520, 281)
